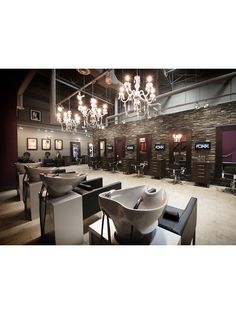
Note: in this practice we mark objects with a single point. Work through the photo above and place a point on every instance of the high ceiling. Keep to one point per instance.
(69, 80)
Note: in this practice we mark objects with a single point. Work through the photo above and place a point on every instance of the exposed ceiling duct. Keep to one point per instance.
(110, 80)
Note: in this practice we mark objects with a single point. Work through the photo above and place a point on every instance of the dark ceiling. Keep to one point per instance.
(164, 80)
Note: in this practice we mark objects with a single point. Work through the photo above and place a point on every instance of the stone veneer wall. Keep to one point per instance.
(202, 122)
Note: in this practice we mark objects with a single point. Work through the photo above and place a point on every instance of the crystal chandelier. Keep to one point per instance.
(92, 116)
(68, 123)
(141, 99)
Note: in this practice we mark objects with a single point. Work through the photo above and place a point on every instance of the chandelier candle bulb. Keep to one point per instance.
(127, 78)
(149, 79)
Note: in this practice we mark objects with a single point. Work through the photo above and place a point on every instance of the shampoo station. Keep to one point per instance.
(20, 172)
(61, 210)
(31, 187)
(131, 216)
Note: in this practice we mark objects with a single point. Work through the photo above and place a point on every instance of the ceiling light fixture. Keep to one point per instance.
(92, 117)
(68, 123)
(141, 99)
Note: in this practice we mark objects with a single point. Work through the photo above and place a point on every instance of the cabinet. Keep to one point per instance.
(202, 173)
(126, 165)
(105, 163)
(158, 168)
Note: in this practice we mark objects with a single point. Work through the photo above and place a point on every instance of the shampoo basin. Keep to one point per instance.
(34, 173)
(61, 184)
(134, 226)
(20, 166)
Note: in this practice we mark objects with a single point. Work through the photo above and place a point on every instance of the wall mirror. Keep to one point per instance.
(144, 147)
(75, 151)
(102, 148)
(90, 149)
(119, 147)
(180, 153)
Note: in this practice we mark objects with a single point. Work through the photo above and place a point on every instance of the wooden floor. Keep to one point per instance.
(16, 226)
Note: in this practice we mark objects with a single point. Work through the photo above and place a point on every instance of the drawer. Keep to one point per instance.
(200, 167)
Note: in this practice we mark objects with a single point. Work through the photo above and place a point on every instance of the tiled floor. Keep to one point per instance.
(216, 221)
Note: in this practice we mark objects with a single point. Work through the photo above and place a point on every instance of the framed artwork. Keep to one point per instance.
(58, 144)
(46, 144)
(35, 115)
(90, 149)
(32, 143)
(75, 150)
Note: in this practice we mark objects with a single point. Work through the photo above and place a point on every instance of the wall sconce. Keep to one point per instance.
(177, 137)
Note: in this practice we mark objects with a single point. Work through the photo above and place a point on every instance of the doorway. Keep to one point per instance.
(144, 147)
(225, 150)
(101, 148)
(119, 143)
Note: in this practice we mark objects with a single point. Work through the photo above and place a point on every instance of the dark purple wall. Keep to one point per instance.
(229, 146)
(10, 81)
(8, 142)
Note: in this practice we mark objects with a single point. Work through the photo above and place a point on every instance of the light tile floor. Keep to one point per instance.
(216, 218)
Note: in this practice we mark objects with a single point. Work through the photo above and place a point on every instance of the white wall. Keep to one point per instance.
(24, 132)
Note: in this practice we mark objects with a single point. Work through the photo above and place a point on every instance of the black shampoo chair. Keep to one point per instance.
(182, 222)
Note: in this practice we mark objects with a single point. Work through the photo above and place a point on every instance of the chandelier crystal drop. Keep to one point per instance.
(141, 99)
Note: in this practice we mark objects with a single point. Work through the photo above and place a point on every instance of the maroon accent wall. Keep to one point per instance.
(8, 141)
(229, 146)
(10, 81)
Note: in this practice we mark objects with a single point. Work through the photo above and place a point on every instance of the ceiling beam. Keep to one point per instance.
(75, 86)
(82, 88)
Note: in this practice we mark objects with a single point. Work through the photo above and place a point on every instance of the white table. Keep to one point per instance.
(162, 237)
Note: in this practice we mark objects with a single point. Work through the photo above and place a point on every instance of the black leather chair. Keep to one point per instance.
(90, 190)
(182, 222)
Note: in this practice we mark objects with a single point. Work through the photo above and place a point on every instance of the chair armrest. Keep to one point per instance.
(94, 183)
(85, 187)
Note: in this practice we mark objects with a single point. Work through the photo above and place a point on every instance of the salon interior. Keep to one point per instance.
(118, 157)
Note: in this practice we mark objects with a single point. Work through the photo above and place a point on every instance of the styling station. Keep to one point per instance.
(119, 157)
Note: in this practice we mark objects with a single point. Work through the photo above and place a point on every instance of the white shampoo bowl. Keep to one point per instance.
(61, 184)
(34, 173)
(134, 225)
(21, 166)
